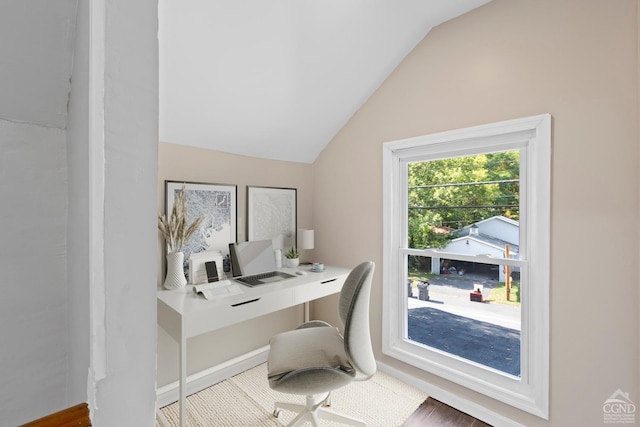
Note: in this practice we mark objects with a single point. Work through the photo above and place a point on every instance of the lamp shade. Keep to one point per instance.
(305, 239)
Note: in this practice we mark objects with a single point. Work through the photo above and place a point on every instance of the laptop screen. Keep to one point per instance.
(252, 257)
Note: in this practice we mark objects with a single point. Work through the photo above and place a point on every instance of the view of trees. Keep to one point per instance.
(448, 194)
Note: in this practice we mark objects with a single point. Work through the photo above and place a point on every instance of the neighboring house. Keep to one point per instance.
(487, 237)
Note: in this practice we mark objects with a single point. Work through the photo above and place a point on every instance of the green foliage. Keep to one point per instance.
(449, 194)
(292, 253)
(422, 234)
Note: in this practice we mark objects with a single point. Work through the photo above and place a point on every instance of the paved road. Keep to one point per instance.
(486, 333)
(452, 295)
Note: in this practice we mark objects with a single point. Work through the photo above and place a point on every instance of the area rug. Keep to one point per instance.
(246, 400)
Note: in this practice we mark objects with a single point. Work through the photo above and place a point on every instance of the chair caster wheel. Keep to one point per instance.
(276, 413)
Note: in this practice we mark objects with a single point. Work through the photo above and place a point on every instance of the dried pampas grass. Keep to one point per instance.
(175, 230)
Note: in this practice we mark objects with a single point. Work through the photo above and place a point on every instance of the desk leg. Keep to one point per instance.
(306, 311)
(183, 381)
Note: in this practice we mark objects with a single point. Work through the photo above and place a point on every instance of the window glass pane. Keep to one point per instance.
(468, 204)
(464, 309)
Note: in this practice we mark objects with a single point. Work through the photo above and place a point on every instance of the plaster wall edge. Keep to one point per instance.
(97, 365)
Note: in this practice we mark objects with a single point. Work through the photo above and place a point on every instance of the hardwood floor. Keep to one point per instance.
(431, 413)
(75, 416)
(434, 413)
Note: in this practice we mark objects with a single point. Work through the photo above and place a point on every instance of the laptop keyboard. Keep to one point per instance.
(264, 275)
(261, 278)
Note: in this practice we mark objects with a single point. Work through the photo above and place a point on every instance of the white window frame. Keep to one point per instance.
(532, 136)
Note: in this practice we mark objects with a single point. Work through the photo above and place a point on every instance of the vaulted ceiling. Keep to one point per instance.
(266, 78)
(278, 79)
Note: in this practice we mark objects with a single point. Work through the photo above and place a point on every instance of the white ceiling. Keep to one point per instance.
(278, 79)
(274, 79)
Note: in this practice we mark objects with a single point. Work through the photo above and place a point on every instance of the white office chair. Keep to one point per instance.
(315, 359)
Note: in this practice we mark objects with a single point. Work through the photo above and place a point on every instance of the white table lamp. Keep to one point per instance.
(305, 240)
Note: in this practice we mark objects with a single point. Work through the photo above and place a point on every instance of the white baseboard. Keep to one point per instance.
(168, 394)
(448, 398)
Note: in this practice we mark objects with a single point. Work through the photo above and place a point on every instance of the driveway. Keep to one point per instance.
(483, 332)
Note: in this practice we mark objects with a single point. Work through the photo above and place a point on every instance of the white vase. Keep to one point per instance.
(293, 262)
(278, 255)
(175, 271)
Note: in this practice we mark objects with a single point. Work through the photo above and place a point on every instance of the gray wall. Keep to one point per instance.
(33, 307)
(36, 65)
(72, 333)
(123, 300)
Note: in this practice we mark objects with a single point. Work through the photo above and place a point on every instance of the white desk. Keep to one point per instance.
(183, 314)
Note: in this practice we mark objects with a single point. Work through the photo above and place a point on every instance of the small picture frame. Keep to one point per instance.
(198, 266)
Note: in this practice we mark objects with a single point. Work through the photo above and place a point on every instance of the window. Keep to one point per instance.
(466, 224)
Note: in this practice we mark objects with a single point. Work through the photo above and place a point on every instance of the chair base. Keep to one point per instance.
(313, 411)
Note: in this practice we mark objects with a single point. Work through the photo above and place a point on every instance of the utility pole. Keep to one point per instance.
(507, 273)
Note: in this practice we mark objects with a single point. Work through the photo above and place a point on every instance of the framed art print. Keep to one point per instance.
(218, 204)
(272, 214)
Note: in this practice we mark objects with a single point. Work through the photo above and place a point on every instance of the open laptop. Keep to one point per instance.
(254, 263)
